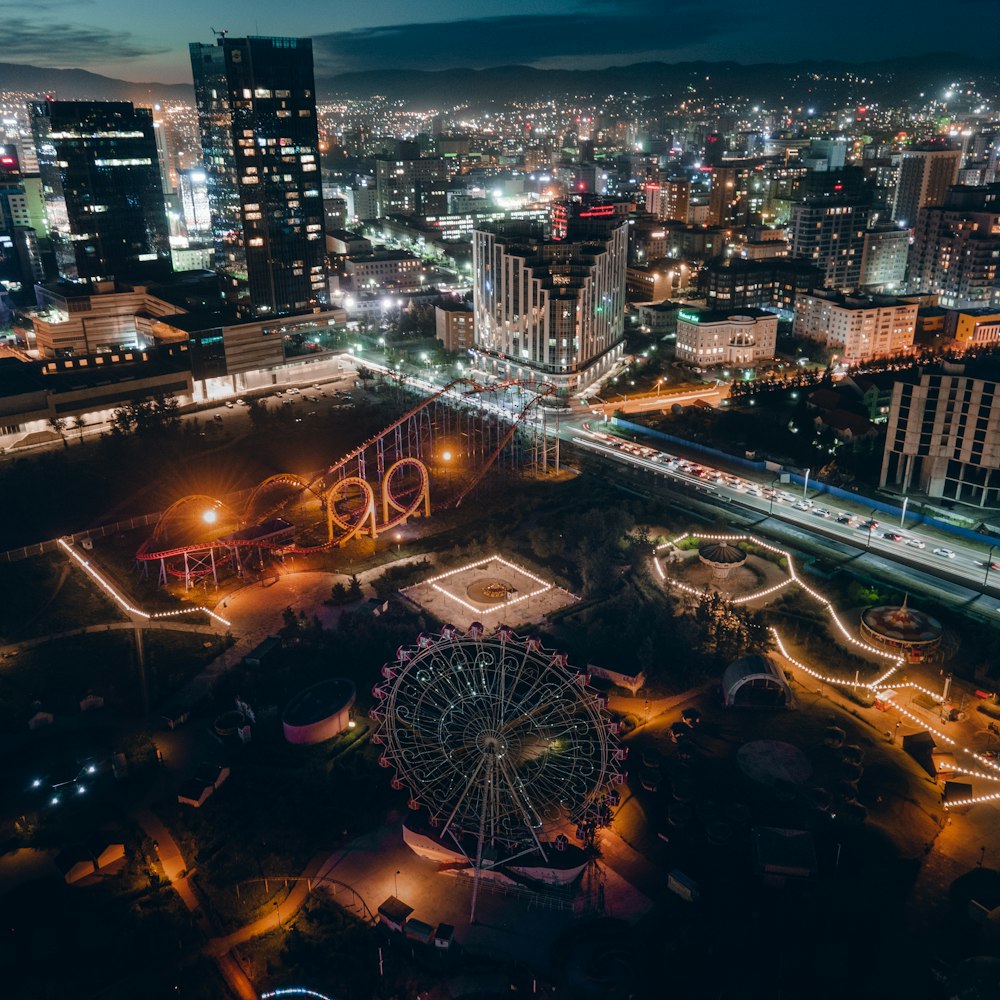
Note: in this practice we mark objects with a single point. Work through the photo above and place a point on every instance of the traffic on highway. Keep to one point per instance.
(871, 532)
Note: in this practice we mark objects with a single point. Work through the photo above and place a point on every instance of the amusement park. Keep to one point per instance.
(457, 713)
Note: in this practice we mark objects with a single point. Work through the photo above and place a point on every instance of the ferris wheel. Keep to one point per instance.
(497, 738)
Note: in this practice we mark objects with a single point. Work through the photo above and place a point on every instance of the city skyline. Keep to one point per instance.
(101, 36)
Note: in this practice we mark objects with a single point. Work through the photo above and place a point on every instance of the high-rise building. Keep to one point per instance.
(926, 172)
(943, 435)
(411, 185)
(729, 196)
(549, 306)
(101, 184)
(830, 234)
(256, 101)
(956, 249)
(883, 265)
(193, 188)
(669, 199)
(734, 284)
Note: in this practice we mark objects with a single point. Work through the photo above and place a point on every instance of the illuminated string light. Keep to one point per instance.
(877, 686)
(112, 592)
(293, 991)
(544, 585)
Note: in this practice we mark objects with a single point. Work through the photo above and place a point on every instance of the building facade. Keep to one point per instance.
(411, 186)
(101, 184)
(857, 328)
(735, 284)
(883, 264)
(830, 235)
(944, 436)
(454, 326)
(956, 249)
(547, 306)
(707, 337)
(926, 172)
(256, 100)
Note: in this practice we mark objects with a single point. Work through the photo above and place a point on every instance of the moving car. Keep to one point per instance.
(944, 553)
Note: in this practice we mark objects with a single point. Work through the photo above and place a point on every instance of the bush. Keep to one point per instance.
(400, 577)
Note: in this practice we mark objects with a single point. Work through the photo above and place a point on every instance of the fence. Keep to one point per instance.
(631, 428)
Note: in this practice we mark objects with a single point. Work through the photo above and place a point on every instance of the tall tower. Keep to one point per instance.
(101, 184)
(926, 173)
(256, 101)
(830, 234)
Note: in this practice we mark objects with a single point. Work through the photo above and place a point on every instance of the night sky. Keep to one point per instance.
(147, 40)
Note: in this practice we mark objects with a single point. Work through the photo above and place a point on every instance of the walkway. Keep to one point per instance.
(176, 871)
(319, 867)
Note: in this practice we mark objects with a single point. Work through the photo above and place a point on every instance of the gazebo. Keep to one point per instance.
(721, 558)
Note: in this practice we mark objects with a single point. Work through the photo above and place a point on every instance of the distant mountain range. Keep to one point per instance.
(892, 79)
(80, 84)
(889, 80)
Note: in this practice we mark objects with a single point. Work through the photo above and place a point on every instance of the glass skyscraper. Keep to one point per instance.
(101, 184)
(257, 115)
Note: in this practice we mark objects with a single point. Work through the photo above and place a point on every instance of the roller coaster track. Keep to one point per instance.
(345, 481)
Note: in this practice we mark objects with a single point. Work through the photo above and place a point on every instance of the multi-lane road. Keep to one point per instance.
(820, 516)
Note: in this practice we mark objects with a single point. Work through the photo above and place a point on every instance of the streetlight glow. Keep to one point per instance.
(209, 516)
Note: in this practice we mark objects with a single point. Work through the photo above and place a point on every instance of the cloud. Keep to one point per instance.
(69, 45)
(520, 38)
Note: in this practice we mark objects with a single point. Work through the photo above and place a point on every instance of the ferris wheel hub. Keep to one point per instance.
(491, 743)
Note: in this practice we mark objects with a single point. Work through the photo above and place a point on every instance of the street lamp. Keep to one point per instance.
(989, 565)
(774, 482)
(805, 483)
(871, 526)
(209, 516)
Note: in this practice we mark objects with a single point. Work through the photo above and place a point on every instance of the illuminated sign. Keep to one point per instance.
(688, 317)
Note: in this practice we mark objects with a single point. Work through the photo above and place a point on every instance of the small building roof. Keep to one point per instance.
(722, 553)
(395, 910)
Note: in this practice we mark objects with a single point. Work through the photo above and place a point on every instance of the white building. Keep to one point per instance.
(548, 307)
(856, 328)
(709, 337)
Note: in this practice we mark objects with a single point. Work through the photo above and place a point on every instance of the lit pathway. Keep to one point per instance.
(319, 867)
(175, 869)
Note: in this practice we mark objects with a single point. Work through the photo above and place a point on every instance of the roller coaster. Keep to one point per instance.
(373, 489)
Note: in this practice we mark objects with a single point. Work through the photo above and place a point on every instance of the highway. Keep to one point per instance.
(963, 563)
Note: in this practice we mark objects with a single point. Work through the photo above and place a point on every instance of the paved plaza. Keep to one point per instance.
(493, 591)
